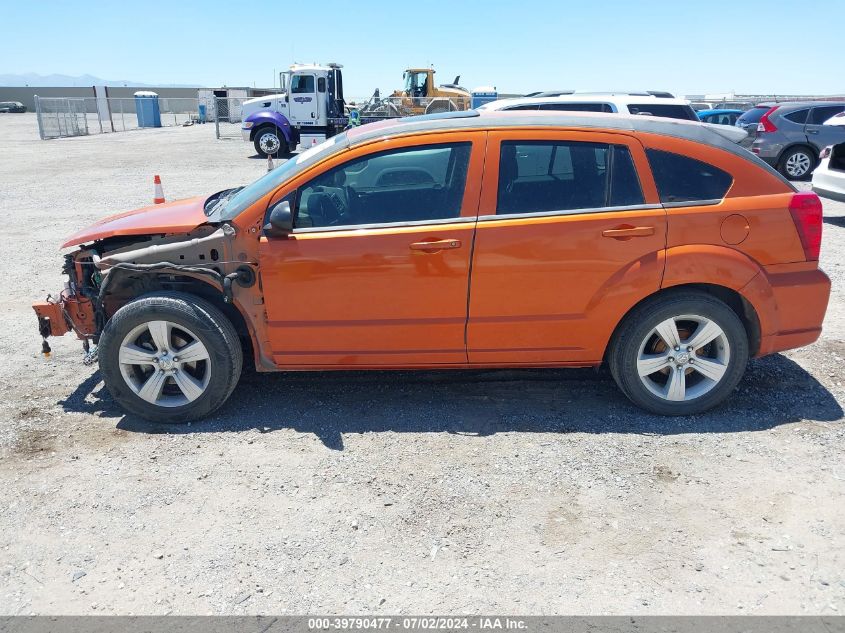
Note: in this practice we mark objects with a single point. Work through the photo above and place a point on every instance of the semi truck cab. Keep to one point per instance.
(310, 101)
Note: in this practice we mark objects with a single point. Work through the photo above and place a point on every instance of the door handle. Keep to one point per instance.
(625, 232)
(812, 131)
(437, 245)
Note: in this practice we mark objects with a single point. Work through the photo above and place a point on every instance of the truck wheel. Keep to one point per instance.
(679, 354)
(269, 141)
(170, 357)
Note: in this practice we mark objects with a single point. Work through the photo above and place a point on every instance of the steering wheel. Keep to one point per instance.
(338, 205)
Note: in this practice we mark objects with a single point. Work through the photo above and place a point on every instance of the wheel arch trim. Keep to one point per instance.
(725, 273)
(208, 290)
(713, 266)
(264, 118)
(814, 153)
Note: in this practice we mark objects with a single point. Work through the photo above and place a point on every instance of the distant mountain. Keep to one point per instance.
(34, 79)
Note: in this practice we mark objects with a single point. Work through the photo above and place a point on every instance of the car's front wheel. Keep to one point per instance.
(680, 354)
(170, 357)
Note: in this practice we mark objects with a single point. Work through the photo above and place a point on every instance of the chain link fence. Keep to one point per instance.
(394, 107)
(80, 116)
(227, 114)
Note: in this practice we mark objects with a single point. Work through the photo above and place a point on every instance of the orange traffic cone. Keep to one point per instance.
(159, 192)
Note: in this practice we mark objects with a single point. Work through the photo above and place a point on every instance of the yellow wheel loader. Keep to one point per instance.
(421, 96)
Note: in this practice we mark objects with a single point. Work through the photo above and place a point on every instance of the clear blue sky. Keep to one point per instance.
(687, 47)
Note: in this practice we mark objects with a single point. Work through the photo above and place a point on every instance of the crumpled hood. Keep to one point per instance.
(180, 216)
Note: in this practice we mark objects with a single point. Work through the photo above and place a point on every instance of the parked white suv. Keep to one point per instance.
(625, 103)
(614, 102)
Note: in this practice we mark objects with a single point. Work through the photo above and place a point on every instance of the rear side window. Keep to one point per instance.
(577, 107)
(799, 116)
(537, 177)
(529, 106)
(625, 189)
(666, 110)
(820, 115)
(684, 179)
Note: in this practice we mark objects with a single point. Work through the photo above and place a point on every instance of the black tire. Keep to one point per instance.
(640, 322)
(199, 318)
(258, 141)
(797, 156)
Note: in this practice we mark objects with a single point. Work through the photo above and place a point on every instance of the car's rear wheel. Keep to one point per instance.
(268, 141)
(170, 357)
(797, 163)
(679, 354)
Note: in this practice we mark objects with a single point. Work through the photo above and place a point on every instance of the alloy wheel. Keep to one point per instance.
(798, 165)
(683, 357)
(164, 363)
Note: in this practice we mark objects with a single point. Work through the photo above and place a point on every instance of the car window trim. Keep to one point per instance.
(693, 203)
(367, 157)
(561, 212)
(463, 219)
(611, 148)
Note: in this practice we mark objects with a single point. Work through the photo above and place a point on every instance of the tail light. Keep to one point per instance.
(765, 125)
(825, 153)
(806, 210)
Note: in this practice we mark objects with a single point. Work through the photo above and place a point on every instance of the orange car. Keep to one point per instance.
(519, 239)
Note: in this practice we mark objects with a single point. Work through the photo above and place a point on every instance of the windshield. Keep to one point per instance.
(415, 81)
(244, 198)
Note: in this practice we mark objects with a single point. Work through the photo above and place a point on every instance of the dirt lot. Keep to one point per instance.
(496, 491)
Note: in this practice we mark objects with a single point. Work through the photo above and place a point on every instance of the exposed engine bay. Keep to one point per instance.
(109, 272)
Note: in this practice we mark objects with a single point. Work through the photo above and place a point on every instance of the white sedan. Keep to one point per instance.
(829, 176)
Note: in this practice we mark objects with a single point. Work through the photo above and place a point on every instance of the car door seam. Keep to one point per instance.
(472, 246)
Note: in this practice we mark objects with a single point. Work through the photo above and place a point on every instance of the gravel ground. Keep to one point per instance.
(496, 491)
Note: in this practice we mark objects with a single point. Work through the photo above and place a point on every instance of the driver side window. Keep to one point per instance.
(302, 84)
(415, 184)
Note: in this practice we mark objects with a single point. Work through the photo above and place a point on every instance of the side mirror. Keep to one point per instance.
(280, 222)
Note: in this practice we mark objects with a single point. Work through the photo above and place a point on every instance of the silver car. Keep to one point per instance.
(790, 136)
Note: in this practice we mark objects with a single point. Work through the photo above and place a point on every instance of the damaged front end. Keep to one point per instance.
(110, 272)
(74, 309)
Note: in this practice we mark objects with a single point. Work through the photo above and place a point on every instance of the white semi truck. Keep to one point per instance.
(310, 108)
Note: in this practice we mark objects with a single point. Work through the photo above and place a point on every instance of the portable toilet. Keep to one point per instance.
(147, 109)
(482, 95)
